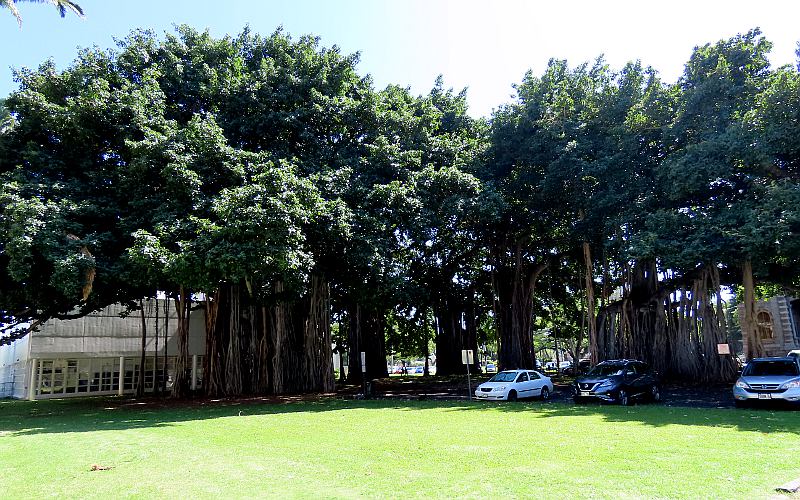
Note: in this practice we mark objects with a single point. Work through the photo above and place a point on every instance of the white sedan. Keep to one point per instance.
(509, 385)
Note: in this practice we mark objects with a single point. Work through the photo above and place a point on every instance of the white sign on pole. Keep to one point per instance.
(466, 357)
(363, 362)
(723, 348)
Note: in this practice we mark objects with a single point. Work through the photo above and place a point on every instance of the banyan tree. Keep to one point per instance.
(263, 181)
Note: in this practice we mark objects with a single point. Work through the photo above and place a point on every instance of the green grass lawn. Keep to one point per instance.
(335, 448)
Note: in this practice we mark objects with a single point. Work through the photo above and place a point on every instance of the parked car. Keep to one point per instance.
(620, 381)
(765, 379)
(510, 385)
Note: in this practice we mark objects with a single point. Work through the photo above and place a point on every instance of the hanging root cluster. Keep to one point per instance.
(282, 347)
(676, 331)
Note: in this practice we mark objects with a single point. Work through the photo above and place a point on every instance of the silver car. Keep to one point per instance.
(765, 379)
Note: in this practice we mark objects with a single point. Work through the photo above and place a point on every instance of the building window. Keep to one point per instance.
(102, 375)
(764, 325)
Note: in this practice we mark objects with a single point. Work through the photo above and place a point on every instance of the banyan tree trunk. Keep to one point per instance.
(284, 347)
(594, 350)
(143, 357)
(180, 386)
(280, 327)
(366, 334)
(449, 338)
(155, 361)
(513, 308)
(233, 365)
(471, 331)
(753, 348)
(264, 352)
(212, 364)
(164, 368)
(317, 338)
(676, 333)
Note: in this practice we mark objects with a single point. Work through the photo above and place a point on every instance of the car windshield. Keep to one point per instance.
(605, 370)
(772, 368)
(504, 377)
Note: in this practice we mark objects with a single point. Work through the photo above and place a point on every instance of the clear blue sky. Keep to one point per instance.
(483, 45)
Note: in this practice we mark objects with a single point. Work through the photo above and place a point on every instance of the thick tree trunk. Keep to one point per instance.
(753, 347)
(233, 363)
(180, 386)
(317, 339)
(590, 304)
(281, 327)
(155, 360)
(212, 364)
(449, 338)
(264, 380)
(164, 373)
(367, 334)
(427, 370)
(513, 307)
(576, 353)
(143, 357)
(354, 375)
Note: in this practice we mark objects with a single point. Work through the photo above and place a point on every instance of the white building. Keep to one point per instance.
(98, 354)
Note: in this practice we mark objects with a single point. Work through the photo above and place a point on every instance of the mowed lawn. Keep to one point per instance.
(391, 449)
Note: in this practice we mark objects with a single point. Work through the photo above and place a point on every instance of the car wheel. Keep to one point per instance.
(545, 393)
(655, 393)
(512, 395)
(622, 397)
(740, 404)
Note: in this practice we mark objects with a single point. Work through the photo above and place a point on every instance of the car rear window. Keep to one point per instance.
(772, 368)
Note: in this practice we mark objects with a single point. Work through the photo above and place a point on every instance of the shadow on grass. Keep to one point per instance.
(112, 413)
(775, 418)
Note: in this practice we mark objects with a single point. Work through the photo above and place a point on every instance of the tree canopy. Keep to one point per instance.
(266, 175)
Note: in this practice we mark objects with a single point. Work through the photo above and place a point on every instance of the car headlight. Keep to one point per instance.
(607, 383)
(500, 388)
(792, 384)
(742, 384)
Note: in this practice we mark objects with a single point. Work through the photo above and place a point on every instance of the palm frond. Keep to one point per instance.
(61, 5)
(10, 5)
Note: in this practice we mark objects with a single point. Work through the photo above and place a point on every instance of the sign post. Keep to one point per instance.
(467, 358)
(364, 372)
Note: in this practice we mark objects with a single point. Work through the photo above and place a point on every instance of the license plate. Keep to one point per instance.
(765, 396)
(585, 393)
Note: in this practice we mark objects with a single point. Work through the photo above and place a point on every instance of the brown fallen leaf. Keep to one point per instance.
(100, 467)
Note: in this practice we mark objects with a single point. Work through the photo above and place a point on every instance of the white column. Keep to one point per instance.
(33, 380)
(121, 374)
(194, 372)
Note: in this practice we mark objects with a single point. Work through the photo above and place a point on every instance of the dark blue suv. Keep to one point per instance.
(618, 380)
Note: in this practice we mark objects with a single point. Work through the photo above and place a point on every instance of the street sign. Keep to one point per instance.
(363, 362)
(723, 349)
(467, 358)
